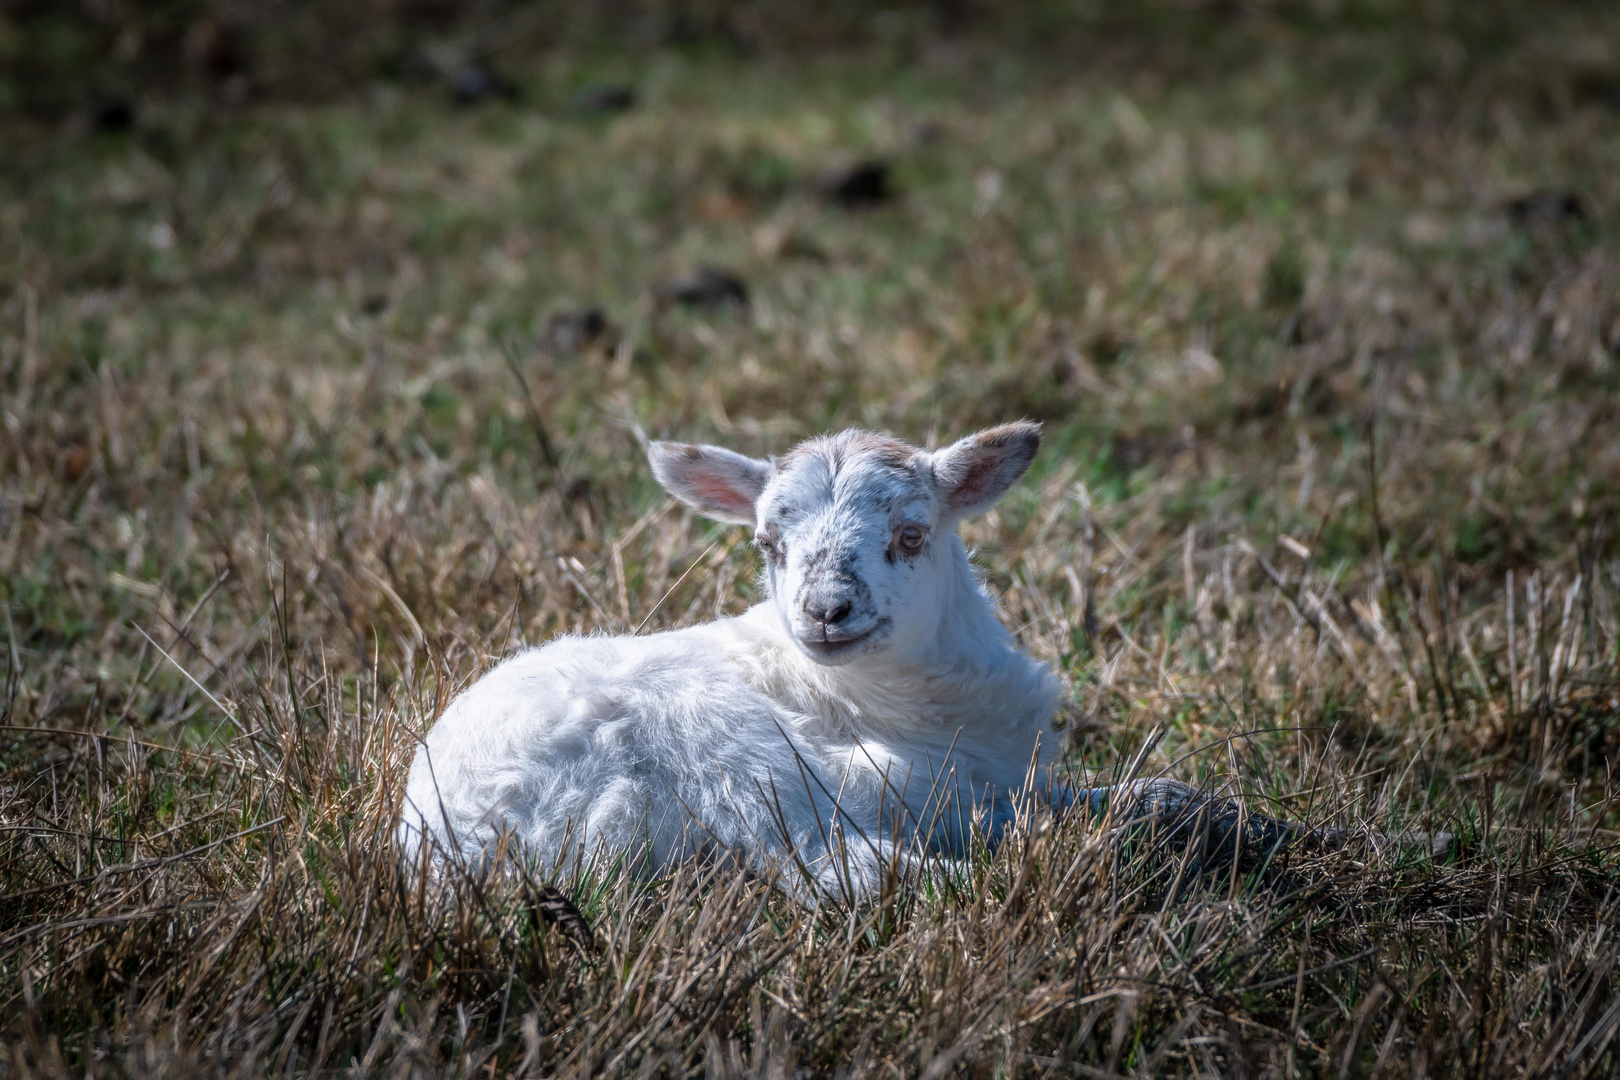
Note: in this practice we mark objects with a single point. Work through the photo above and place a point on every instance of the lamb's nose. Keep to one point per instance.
(827, 616)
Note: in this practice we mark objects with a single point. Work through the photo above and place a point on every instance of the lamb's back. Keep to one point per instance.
(612, 741)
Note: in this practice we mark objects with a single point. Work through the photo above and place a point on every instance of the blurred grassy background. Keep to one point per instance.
(329, 334)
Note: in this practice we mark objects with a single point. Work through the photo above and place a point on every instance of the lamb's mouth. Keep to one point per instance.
(830, 648)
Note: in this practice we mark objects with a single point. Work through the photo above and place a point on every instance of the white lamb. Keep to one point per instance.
(869, 709)
(871, 712)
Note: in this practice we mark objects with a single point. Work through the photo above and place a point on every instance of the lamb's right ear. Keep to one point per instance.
(712, 480)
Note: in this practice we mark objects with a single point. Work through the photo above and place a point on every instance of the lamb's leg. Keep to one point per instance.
(1218, 830)
(1222, 828)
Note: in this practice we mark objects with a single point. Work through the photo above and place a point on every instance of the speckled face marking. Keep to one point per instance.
(850, 526)
(844, 524)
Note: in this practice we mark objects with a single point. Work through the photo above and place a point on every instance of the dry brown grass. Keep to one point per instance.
(1325, 520)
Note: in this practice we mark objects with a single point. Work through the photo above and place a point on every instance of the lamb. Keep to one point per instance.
(871, 713)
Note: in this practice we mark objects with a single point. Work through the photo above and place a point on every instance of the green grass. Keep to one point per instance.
(273, 389)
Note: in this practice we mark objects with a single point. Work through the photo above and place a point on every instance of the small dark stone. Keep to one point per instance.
(215, 49)
(113, 114)
(864, 184)
(799, 246)
(706, 287)
(74, 453)
(1550, 207)
(927, 133)
(1107, 348)
(236, 90)
(473, 84)
(570, 331)
(606, 98)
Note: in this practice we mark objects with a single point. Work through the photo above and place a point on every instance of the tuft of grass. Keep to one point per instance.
(291, 450)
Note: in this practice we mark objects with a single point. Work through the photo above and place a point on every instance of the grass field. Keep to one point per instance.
(302, 429)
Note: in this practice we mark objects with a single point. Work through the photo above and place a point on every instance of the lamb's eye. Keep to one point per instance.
(770, 544)
(910, 539)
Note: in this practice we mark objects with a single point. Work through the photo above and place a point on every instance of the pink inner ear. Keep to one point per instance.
(714, 490)
(975, 481)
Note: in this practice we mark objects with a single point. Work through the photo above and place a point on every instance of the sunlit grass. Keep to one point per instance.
(1330, 458)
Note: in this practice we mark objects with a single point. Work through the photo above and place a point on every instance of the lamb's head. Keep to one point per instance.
(857, 528)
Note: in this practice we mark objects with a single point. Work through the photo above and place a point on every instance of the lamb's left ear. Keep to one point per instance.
(712, 480)
(973, 473)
